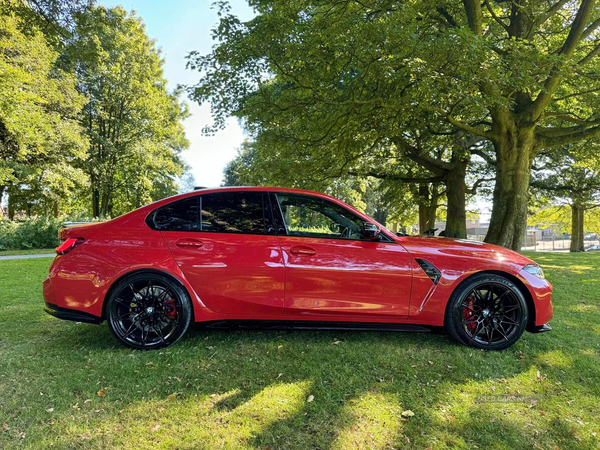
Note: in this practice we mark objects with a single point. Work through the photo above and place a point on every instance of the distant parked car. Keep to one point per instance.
(593, 248)
(290, 258)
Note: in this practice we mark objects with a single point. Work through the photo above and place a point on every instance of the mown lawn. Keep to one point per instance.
(67, 385)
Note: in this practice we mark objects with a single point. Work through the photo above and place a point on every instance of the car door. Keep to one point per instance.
(222, 244)
(331, 269)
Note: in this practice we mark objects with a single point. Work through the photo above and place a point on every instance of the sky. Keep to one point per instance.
(178, 27)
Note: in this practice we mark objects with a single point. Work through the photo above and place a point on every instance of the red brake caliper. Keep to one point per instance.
(171, 309)
(468, 312)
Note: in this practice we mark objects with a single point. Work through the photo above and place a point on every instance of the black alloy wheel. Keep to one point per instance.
(148, 310)
(487, 311)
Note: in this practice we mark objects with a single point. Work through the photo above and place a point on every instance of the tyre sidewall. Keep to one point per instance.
(454, 311)
(186, 308)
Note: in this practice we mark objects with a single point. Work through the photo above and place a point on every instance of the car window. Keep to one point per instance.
(181, 215)
(316, 217)
(233, 212)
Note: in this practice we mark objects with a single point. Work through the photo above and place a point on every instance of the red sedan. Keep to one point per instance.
(292, 258)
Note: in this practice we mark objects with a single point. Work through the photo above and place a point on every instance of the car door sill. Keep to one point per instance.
(315, 325)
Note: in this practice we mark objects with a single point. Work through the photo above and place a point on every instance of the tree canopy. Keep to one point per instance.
(340, 82)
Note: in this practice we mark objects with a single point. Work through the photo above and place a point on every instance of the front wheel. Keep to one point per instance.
(487, 311)
(148, 310)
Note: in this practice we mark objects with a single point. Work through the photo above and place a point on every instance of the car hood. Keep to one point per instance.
(464, 248)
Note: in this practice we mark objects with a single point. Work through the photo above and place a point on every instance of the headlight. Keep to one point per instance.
(534, 270)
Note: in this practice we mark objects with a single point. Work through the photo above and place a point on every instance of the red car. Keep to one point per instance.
(293, 258)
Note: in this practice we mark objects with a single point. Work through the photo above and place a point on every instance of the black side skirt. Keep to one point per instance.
(540, 329)
(71, 314)
(314, 325)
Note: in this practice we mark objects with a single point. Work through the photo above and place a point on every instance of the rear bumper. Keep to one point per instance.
(70, 314)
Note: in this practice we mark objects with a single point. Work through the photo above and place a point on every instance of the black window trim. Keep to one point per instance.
(388, 240)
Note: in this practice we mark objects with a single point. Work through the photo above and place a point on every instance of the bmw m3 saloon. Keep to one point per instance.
(273, 257)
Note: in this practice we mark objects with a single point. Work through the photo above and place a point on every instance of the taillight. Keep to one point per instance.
(69, 245)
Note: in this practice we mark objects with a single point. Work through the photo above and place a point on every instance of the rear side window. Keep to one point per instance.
(233, 212)
(178, 216)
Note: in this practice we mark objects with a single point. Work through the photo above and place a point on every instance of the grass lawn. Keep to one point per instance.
(33, 251)
(67, 385)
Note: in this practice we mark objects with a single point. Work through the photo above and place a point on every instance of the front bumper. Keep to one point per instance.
(71, 314)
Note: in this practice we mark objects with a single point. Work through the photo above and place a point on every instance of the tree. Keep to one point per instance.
(570, 178)
(187, 182)
(133, 122)
(39, 115)
(521, 75)
(53, 18)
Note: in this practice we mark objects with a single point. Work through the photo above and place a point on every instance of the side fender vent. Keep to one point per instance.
(432, 272)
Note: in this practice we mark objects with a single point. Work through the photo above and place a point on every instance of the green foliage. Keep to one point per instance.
(41, 232)
(39, 107)
(132, 121)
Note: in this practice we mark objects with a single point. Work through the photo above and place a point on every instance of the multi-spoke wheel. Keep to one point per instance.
(148, 310)
(487, 311)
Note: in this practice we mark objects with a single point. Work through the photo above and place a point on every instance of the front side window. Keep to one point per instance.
(315, 217)
(233, 212)
(182, 215)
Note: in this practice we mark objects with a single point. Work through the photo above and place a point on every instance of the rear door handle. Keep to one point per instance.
(302, 250)
(189, 243)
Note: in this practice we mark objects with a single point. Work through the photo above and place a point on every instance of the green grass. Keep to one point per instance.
(33, 251)
(249, 389)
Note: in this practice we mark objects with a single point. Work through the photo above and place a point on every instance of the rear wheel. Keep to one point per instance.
(487, 311)
(148, 310)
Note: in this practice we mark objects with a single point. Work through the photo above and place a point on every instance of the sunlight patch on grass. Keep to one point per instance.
(374, 422)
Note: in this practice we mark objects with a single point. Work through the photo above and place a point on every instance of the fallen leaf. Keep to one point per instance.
(155, 428)
(88, 400)
(280, 346)
(336, 342)
(101, 393)
(50, 410)
(173, 395)
(407, 413)
(310, 398)
(5, 427)
(430, 362)
(211, 395)
(278, 376)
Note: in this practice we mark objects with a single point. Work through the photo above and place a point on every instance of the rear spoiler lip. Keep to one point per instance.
(74, 224)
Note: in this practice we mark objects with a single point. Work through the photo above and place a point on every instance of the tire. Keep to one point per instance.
(148, 310)
(486, 311)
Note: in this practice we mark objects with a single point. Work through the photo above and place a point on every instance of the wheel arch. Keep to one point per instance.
(517, 282)
(135, 272)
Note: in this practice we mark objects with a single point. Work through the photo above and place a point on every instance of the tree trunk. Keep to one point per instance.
(577, 218)
(2, 189)
(428, 204)
(95, 202)
(456, 191)
(515, 150)
(11, 202)
(104, 204)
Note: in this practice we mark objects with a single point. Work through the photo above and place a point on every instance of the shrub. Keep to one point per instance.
(40, 232)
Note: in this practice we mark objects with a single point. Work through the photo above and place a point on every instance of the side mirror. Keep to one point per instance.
(370, 231)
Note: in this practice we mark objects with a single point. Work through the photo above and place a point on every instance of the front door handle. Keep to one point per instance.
(302, 250)
(189, 243)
